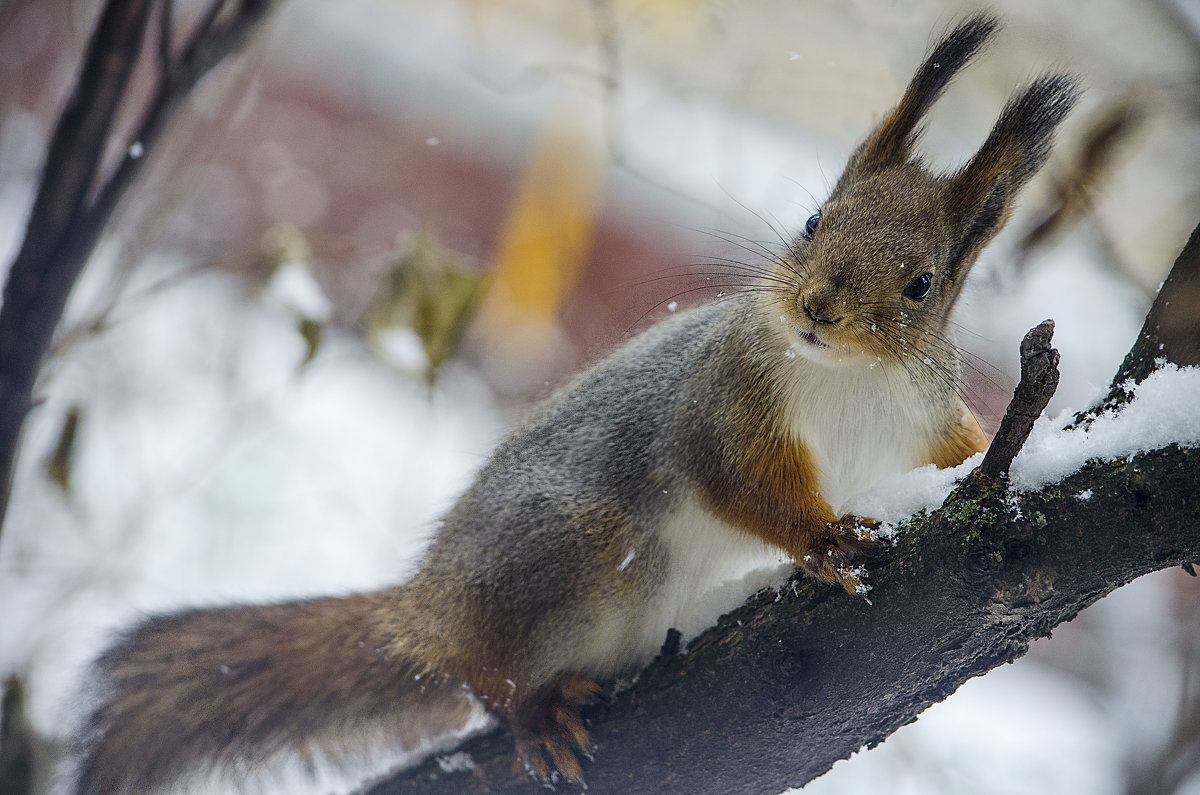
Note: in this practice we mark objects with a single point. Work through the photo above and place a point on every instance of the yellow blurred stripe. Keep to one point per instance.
(549, 227)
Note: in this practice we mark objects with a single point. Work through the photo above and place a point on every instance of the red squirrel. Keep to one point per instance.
(735, 427)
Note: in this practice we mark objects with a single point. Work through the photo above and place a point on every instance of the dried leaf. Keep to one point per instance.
(312, 331)
(293, 287)
(430, 292)
(59, 466)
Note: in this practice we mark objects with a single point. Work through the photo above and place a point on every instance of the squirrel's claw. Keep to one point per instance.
(554, 732)
(552, 752)
(831, 559)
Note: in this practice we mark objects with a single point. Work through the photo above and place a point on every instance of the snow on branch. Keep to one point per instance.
(1171, 333)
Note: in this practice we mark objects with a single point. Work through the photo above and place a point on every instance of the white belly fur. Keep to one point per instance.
(712, 568)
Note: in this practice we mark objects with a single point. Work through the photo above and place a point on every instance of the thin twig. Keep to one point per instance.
(16, 739)
(165, 38)
(1039, 379)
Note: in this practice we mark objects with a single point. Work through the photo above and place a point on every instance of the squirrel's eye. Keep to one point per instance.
(810, 226)
(918, 288)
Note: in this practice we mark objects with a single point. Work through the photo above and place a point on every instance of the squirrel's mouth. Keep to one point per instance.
(812, 339)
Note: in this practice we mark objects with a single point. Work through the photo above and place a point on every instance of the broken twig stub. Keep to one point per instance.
(1039, 379)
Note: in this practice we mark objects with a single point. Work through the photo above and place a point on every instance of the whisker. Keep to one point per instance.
(748, 244)
(788, 243)
(912, 348)
(760, 248)
(735, 290)
(746, 267)
(720, 268)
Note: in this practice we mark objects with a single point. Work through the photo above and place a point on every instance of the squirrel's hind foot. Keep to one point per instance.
(832, 558)
(549, 730)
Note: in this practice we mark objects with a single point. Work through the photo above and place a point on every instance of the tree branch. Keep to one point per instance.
(41, 277)
(786, 685)
(64, 226)
(782, 689)
(16, 740)
(1171, 331)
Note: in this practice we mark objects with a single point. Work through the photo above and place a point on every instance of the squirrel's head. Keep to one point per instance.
(879, 268)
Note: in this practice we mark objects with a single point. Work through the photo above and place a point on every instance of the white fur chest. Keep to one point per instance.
(861, 424)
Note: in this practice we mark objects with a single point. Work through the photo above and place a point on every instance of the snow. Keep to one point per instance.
(628, 559)
(401, 348)
(456, 762)
(293, 287)
(900, 496)
(1162, 411)
(950, 750)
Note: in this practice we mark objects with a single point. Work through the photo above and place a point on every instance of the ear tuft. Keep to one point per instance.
(892, 141)
(1022, 137)
(983, 191)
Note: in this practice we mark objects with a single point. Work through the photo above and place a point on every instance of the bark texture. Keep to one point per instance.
(1039, 379)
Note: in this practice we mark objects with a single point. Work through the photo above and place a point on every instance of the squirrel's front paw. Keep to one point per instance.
(831, 557)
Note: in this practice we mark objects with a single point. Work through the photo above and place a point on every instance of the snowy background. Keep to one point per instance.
(215, 460)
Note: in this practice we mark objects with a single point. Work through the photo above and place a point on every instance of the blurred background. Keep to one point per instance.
(373, 238)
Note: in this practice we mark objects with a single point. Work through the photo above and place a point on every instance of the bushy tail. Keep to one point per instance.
(228, 688)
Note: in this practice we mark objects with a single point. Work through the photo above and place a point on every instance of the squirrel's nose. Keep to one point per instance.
(822, 315)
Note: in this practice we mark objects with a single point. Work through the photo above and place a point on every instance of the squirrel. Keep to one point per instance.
(741, 425)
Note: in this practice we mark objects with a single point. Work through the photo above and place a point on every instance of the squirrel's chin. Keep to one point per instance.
(810, 347)
(818, 352)
(826, 347)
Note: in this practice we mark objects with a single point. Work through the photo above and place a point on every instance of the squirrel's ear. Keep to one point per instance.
(892, 141)
(980, 195)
